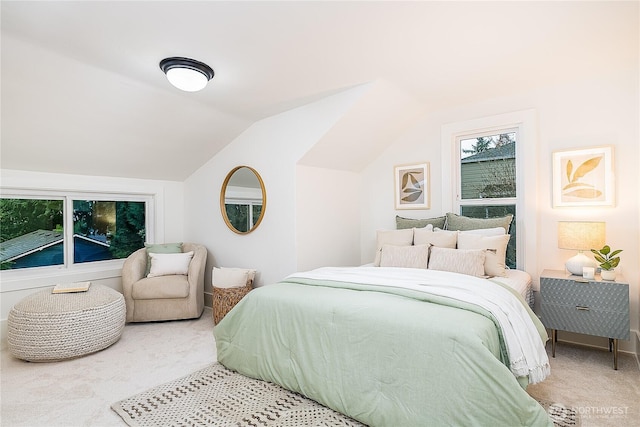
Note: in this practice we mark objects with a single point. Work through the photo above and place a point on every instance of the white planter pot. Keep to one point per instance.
(608, 274)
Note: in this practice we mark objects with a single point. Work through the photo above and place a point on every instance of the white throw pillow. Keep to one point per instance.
(392, 237)
(404, 256)
(225, 277)
(169, 264)
(496, 231)
(494, 263)
(463, 261)
(435, 237)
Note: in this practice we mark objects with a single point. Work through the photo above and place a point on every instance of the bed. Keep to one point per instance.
(394, 346)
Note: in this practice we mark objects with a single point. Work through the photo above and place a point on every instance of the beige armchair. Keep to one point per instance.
(168, 297)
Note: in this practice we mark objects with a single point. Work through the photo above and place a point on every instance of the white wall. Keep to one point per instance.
(328, 218)
(272, 147)
(577, 114)
(169, 213)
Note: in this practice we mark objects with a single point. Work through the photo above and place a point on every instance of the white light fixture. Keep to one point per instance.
(186, 74)
(580, 236)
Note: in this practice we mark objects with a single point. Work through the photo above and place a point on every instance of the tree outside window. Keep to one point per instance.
(488, 180)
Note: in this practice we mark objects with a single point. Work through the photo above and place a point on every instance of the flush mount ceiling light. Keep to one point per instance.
(186, 74)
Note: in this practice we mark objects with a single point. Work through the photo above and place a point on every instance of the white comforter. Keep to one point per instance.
(527, 355)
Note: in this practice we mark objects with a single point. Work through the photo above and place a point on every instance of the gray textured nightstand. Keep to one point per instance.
(593, 307)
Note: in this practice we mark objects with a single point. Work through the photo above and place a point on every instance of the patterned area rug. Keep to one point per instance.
(216, 396)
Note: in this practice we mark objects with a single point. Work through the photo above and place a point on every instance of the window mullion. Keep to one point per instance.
(68, 232)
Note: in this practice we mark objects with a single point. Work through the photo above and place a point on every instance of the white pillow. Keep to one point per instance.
(392, 237)
(232, 277)
(494, 263)
(404, 256)
(496, 231)
(169, 264)
(435, 237)
(463, 261)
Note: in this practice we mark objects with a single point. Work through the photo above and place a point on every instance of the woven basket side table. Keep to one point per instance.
(224, 299)
(47, 327)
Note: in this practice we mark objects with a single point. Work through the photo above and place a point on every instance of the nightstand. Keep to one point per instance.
(585, 306)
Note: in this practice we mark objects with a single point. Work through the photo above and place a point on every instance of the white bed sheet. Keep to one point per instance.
(518, 280)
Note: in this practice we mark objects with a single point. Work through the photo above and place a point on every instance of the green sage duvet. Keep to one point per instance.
(362, 343)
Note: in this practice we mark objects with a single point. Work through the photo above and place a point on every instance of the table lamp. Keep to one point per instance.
(580, 236)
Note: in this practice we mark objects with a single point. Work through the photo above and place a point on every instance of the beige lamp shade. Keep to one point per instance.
(580, 236)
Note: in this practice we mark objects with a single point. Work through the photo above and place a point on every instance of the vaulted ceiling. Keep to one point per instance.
(82, 91)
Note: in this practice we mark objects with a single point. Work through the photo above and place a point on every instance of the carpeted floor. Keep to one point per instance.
(79, 392)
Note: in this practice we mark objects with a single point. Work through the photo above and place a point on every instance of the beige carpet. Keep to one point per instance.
(583, 378)
(80, 392)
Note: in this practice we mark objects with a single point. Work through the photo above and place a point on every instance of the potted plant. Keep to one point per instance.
(608, 260)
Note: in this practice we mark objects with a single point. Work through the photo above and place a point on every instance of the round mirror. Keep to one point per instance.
(243, 200)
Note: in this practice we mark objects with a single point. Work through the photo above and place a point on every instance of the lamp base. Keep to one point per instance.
(574, 264)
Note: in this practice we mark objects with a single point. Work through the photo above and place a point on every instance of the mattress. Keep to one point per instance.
(520, 281)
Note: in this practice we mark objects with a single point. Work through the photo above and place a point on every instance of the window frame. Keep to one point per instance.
(104, 268)
(524, 123)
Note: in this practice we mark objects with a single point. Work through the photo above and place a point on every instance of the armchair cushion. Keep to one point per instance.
(176, 286)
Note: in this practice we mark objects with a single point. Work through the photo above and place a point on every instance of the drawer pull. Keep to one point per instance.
(582, 308)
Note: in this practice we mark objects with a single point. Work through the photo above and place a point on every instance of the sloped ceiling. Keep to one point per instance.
(82, 91)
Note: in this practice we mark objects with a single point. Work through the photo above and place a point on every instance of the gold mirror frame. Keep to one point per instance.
(223, 192)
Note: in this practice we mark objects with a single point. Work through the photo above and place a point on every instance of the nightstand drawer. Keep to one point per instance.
(586, 320)
(601, 296)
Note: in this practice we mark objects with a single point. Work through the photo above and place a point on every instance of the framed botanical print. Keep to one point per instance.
(583, 177)
(412, 186)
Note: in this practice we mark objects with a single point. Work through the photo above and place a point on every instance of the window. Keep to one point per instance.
(243, 214)
(487, 174)
(63, 230)
(489, 170)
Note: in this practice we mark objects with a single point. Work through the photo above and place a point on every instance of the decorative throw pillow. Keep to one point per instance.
(392, 237)
(170, 264)
(435, 237)
(404, 223)
(496, 231)
(161, 248)
(494, 264)
(463, 261)
(459, 222)
(404, 256)
(224, 277)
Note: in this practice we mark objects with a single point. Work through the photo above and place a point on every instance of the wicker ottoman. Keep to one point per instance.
(48, 327)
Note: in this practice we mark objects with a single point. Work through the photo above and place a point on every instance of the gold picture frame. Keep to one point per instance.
(412, 190)
(583, 177)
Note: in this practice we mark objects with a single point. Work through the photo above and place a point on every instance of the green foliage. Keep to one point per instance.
(238, 216)
(130, 229)
(606, 257)
(22, 216)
